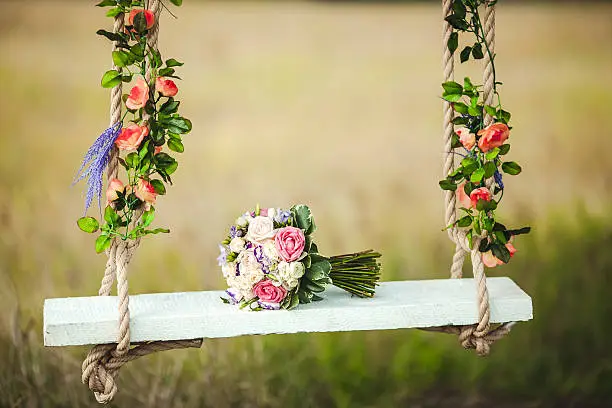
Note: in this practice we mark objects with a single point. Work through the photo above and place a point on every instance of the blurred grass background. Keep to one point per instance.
(350, 92)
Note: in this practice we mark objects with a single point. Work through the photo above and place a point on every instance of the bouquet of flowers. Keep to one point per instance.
(270, 262)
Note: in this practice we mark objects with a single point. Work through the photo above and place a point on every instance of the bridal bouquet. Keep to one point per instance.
(270, 262)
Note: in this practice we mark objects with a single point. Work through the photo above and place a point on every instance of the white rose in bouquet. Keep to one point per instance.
(260, 229)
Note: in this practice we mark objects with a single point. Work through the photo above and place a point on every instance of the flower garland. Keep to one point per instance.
(482, 147)
(151, 121)
(270, 261)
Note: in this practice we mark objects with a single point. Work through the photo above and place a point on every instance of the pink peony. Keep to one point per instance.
(139, 95)
(290, 243)
(114, 186)
(267, 292)
(149, 17)
(481, 193)
(166, 87)
(145, 191)
(491, 261)
(493, 136)
(467, 139)
(131, 137)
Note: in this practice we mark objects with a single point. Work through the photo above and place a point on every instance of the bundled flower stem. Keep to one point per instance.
(356, 273)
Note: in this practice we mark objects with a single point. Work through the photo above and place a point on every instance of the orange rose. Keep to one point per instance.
(464, 199)
(166, 87)
(130, 137)
(149, 17)
(139, 95)
(114, 186)
(481, 193)
(145, 191)
(467, 139)
(491, 261)
(493, 136)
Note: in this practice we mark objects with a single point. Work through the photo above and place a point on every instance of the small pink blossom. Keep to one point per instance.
(139, 95)
(165, 86)
(467, 139)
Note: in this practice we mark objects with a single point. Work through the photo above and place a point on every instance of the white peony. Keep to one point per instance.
(237, 244)
(260, 229)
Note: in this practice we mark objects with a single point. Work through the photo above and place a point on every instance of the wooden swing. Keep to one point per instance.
(479, 310)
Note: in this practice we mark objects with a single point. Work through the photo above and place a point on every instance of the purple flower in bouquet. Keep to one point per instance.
(498, 179)
(235, 232)
(282, 216)
(222, 258)
(95, 162)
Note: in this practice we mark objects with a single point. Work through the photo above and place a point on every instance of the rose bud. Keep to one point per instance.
(481, 193)
(139, 95)
(114, 186)
(493, 136)
(464, 199)
(148, 14)
(145, 191)
(130, 137)
(165, 86)
(467, 139)
(491, 261)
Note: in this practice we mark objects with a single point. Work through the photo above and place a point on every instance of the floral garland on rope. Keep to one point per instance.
(150, 122)
(482, 147)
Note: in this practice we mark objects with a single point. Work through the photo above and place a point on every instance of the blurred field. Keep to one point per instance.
(349, 91)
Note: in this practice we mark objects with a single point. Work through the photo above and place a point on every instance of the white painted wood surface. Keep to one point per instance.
(173, 316)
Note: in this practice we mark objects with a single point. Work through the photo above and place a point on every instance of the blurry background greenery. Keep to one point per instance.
(334, 105)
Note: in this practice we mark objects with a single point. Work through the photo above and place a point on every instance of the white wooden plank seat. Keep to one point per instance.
(188, 315)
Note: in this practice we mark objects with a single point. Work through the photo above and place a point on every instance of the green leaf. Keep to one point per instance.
(165, 72)
(148, 217)
(511, 168)
(492, 154)
(169, 107)
(459, 8)
(501, 252)
(477, 51)
(310, 285)
(176, 145)
(176, 2)
(163, 160)
(452, 87)
(474, 110)
(114, 12)
(110, 216)
(159, 187)
(477, 175)
(453, 42)
(173, 63)
(140, 22)
(103, 243)
(138, 49)
(171, 168)
(465, 54)
(467, 84)
(500, 236)
(457, 22)
(459, 121)
(106, 3)
(460, 107)
(132, 160)
(111, 79)
(504, 149)
(110, 35)
(524, 230)
(490, 110)
(88, 224)
(489, 169)
(302, 217)
(122, 58)
(452, 97)
(447, 184)
(504, 116)
(178, 125)
(464, 221)
(318, 270)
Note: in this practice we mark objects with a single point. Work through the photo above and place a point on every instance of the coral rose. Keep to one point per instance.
(139, 95)
(267, 292)
(165, 86)
(131, 137)
(481, 193)
(462, 197)
(290, 243)
(148, 14)
(145, 191)
(467, 139)
(491, 261)
(114, 186)
(493, 136)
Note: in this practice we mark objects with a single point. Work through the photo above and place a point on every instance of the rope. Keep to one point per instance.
(479, 336)
(102, 364)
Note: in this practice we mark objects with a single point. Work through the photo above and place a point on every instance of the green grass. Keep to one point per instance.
(353, 91)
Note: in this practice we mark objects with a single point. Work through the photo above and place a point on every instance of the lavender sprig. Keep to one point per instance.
(95, 162)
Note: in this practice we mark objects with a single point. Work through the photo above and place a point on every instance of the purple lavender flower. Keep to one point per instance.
(282, 216)
(262, 259)
(234, 296)
(222, 258)
(235, 232)
(95, 162)
(498, 179)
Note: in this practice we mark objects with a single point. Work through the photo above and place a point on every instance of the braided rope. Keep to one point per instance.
(102, 364)
(479, 336)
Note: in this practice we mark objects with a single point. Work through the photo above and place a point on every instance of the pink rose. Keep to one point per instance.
(149, 17)
(267, 292)
(114, 186)
(491, 261)
(139, 95)
(467, 139)
(481, 193)
(464, 199)
(131, 137)
(289, 243)
(493, 136)
(145, 191)
(166, 87)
